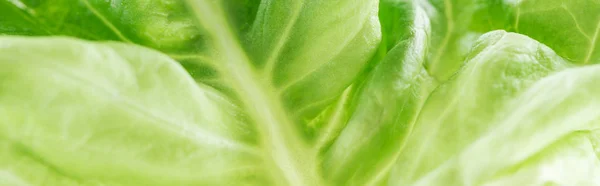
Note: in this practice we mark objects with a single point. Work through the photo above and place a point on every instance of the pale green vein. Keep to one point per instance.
(190, 56)
(592, 45)
(283, 147)
(575, 21)
(106, 22)
(274, 55)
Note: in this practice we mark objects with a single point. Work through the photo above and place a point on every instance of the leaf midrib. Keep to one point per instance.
(284, 149)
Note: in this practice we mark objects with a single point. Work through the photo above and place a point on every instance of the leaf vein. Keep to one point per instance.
(106, 21)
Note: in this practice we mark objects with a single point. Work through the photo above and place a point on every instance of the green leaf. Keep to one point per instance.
(164, 24)
(451, 32)
(286, 45)
(396, 17)
(459, 112)
(30, 17)
(310, 51)
(386, 108)
(573, 159)
(571, 28)
(289, 78)
(83, 113)
(298, 92)
(559, 122)
(549, 117)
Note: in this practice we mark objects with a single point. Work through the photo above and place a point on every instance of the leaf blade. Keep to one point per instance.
(500, 66)
(102, 93)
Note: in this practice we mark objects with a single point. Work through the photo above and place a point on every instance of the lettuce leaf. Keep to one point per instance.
(500, 66)
(570, 28)
(300, 93)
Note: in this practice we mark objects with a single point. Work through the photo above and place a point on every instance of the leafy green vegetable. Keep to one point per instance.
(500, 66)
(571, 28)
(161, 24)
(106, 113)
(386, 106)
(578, 42)
(554, 126)
(450, 22)
(300, 93)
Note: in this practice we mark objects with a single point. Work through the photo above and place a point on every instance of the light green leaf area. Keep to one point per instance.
(395, 73)
(277, 35)
(310, 51)
(386, 107)
(571, 28)
(180, 132)
(571, 160)
(174, 129)
(547, 122)
(451, 32)
(299, 92)
(396, 17)
(555, 131)
(500, 66)
(79, 113)
(164, 24)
